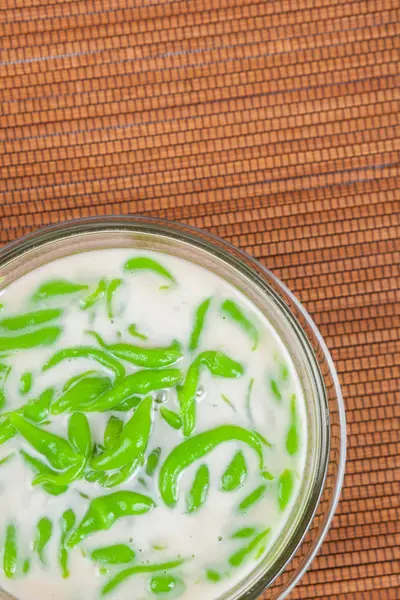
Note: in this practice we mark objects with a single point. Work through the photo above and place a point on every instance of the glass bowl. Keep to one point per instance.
(301, 538)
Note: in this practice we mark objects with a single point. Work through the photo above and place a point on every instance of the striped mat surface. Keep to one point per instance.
(272, 124)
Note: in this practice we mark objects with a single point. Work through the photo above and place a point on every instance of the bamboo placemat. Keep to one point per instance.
(274, 124)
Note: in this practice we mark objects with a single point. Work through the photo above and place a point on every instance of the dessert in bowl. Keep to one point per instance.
(168, 423)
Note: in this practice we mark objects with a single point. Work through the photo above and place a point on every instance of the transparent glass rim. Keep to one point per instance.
(239, 260)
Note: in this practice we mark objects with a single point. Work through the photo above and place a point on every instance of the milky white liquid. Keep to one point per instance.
(202, 538)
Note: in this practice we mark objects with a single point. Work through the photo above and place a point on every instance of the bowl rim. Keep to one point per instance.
(81, 225)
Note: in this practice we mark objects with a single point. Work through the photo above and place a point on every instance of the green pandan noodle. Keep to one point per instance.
(285, 488)
(232, 310)
(199, 323)
(252, 498)
(110, 293)
(80, 440)
(151, 358)
(152, 461)
(31, 319)
(141, 382)
(37, 410)
(45, 336)
(112, 432)
(132, 328)
(83, 392)
(6, 459)
(68, 521)
(100, 356)
(131, 443)
(54, 448)
(92, 299)
(122, 576)
(235, 473)
(40, 467)
(105, 510)
(292, 438)
(237, 558)
(165, 584)
(144, 263)
(197, 494)
(4, 373)
(10, 553)
(219, 365)
(171, 417)
(44, 531)
(197, 447)
(117, 554)
(25, 383)
(57, 287)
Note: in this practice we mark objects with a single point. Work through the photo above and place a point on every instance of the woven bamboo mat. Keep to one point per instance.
(273, 124)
